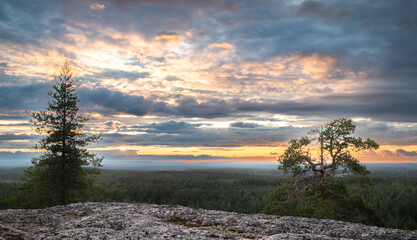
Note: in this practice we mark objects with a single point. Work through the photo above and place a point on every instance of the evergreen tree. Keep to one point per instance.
(315, 161)
(65, 172)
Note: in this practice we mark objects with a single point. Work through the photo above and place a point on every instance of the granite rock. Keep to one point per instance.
(147, 221)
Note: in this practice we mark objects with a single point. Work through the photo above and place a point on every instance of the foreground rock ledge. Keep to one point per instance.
(145, 221)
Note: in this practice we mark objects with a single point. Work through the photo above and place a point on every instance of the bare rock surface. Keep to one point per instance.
(146, 221)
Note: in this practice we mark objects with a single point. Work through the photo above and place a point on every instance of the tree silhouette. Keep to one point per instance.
(60, 175)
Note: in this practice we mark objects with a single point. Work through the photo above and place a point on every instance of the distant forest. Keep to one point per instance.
(243, 191)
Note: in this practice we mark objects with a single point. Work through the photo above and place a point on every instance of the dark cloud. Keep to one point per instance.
(387, 133)
(407, 22)
(213, 108)
(399, 154)
(165, 33)
(13, 117)
(402, 152)
(171, 127)
(34, 97)
(244, 125)
(173, 78)
(116, 102)
(372, 37)
(113, 124)
(157, 59)
(23, 97)
(3, 14)
(371, 41)
(321, 10)
(384, 50)
(184, 134)
(378, 104)
(119, 74)
(12, 156)
(373, 126)
(361, 35)
(385, 105)
(8, 137)
(11, 80)
(29, 23)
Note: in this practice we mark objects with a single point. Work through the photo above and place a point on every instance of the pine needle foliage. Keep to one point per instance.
(65, 171)
(317, 163)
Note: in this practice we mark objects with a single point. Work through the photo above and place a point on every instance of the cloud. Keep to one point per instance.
(321, 10)
(8, 137)
(23, 97)
(120, 74)
(13, 117)
(397, 154)
(223, 45)
(253, 36)
(184, 134)
(310, 59)
(113, 124)
(387, 105)
(244, 125)
(115, 102)
(171, 127)
(13, 156)
(170, 37)
(173, 78)
(384, 153)
(407, 22)
(150, 157)
(402, 152)
(97, 6)
(212, 108)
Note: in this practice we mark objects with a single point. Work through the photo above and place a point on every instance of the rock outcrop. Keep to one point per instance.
(146, 221)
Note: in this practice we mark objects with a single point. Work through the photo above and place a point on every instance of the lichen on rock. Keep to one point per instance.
(148, 221)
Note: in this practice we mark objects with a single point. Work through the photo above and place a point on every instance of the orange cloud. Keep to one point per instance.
(213, 69)
(168, 37)
(223, 45)
(26, 150)
(390, 153)
(97, 7)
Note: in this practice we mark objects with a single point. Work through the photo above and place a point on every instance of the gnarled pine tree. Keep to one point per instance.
(315, 161)
(64, 172)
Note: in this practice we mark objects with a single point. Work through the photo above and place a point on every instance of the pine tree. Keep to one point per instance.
(65, 172)
(316, 161)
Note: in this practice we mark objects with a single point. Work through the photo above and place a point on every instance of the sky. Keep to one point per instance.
(207, 81)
